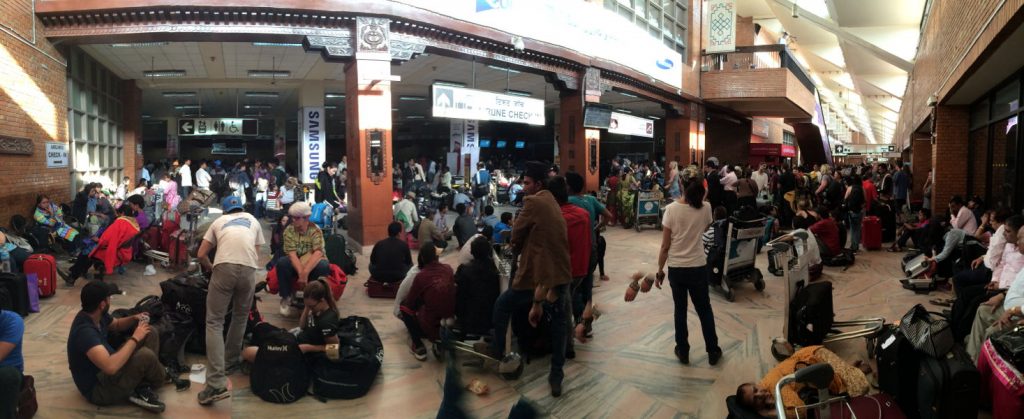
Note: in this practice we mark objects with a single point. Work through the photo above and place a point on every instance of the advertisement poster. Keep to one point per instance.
(312, 143)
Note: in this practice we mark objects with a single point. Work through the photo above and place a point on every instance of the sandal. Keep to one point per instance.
(945, 302)
(645, 286)
(632, 291)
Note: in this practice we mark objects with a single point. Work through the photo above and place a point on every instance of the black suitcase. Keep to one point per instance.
(897, 367)
(339, 254)
(948, 387)
(811, 314)
(14, 293)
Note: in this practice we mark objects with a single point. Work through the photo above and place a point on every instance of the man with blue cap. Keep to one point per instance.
(237, 236)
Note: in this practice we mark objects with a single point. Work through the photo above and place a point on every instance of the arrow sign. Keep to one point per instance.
(186, 127)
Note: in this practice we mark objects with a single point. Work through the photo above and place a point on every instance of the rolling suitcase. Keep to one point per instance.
(45, 268)
(881, 406)
(811, 314)
(339, 254)
(871, 233)
(948, 387)
(897, 367)
(14, 293)
(178, 247)
(152, 238)
(377, 289)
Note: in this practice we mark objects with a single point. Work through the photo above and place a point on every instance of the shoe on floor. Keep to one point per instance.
(146, 399)
(67, 278)
(420, 352)
(212, 394)
(684, 356)
(286, 308)
(714, 357)
(556, 389)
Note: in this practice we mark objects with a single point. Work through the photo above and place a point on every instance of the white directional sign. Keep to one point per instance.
(481, 105)
(217, 126)
(630, 125)
(56, 155)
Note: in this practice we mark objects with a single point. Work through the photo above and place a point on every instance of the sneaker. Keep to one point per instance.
(714, 357)
(67, 278)
(420, 352)
(179, 384)
(212, 394)
(146, 399)
(286, 308)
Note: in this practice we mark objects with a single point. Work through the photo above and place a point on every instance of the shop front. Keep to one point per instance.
(771, 154)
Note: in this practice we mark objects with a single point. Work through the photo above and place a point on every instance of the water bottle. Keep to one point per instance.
(5, 261)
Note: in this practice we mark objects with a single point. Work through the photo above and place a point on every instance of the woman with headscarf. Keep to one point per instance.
(627, 198)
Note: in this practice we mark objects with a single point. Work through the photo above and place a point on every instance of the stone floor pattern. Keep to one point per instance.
(627, 371)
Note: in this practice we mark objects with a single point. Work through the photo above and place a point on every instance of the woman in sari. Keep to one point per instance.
(627, 198)
(612, 197)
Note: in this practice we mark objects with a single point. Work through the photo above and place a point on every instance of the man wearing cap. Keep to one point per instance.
(106, 376)
(237, 236)
(541, 281)
(304, 256)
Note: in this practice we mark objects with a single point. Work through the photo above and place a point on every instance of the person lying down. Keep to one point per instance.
(849, 379)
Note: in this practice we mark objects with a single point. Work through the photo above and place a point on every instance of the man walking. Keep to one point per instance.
(481, 188)
(203, 177)
(237, 237)
(185, 171)
(541, 281)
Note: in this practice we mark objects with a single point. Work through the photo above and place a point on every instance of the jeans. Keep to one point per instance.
(231, 290)
(911, 234)
(286, 274)
(518, 302)
(855, 219)
(581, 295)
(10, 388)
(142, 369)
(260, 208)
(692, 281)
(978, 276)
(412, 324)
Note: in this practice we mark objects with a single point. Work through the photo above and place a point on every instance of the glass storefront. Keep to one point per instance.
(995, 148)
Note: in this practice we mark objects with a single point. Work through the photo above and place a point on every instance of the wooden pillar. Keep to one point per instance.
(678, 136)
(578, 147)
(368, 134)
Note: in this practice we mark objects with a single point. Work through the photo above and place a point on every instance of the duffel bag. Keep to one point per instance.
(352, 371)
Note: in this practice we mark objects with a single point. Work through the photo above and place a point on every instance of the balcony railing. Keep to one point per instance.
(754, 58)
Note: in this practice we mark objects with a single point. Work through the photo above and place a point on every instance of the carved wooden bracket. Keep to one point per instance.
(15, 145)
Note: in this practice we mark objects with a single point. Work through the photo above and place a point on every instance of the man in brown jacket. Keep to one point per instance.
(544, 272)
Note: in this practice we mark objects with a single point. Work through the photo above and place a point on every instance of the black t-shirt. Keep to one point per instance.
(390, 260)
(317, 328)
(84, 336)
(787, 182)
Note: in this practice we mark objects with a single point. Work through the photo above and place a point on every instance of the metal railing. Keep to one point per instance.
(754, 58)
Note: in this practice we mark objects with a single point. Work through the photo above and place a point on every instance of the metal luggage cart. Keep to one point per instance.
(795, 276)
(739, 262)
(648, 209)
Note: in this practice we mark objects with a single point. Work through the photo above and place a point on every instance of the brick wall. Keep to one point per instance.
(941, 48)
(951, 131)
(920, 165)
(32, 105)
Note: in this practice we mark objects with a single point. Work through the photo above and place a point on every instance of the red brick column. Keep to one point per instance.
(573, 144)
(920, 165)
(131, 128)
(948, 152)
(677, 139)
(368, 111)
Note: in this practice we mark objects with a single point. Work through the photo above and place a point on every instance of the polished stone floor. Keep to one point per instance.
(628, 369)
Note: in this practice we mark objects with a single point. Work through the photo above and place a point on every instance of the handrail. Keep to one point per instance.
(754, 57)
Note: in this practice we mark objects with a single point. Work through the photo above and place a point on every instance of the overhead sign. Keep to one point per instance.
(472, 104)
(626, 124)
(218, 126)
(224, 149)
(586, 28)
(721, 26)
(313, 144)
(56, 155)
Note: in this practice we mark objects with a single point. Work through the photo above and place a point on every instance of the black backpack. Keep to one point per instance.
(14, 293)
(811, 314)
(360, 356)
(279, 374)
(834, 193)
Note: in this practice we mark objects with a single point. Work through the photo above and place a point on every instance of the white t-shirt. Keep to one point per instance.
(203, 179)
(186, 175)
(687, 225)
(236, 237)
(761, 179)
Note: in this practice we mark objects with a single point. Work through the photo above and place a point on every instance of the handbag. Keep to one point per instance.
(933, 336)
(1010, 346)
(27, 403)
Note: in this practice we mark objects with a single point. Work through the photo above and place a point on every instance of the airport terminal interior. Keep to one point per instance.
(732, 209)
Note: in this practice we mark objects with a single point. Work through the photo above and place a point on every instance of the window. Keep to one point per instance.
(788, 138)
(94, 121)
(1007, 99)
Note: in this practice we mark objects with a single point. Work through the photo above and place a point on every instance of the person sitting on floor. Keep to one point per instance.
(16, 255)
(49, 215)
(504, 225)
(478, 286)
(998, 313)
(758, 397)
(12, 363)
(390, 259)
(429, 299)
(103, 375)
(304, 256)
(827, 231)
(913, 231)
(113, 248)
(489, 217)
(429, 233)
(465, 226)
(804, 217)
(318, 323)
(973, 287)
(943, 240)
(466, 253)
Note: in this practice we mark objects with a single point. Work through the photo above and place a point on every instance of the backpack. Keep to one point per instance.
(360, 357)
(811, 314)
(279, 374)
(322, 214)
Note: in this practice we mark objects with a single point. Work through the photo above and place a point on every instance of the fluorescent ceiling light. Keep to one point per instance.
(146, 116)
(269, 73)
(626, 94)
(180, 107)
(412, 98)
(518, 93)
(653, 117)
(258, 106)
(414, 117)
(330, 107)
(334, 95)
(449, 83)
(164, 73)
(623, 111)
(179, 94)
(275, 44)
(139, 44)
(251, 115)
(503, 69)
(193, 115)
(262, 94)
(394, 109)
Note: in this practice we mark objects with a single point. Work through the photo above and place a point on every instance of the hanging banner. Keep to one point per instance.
(280, 150)
(470, 146)
(457, 129)
(626, 124)
(172, 147)
(462, 103)
(312, 143)
(721, 26)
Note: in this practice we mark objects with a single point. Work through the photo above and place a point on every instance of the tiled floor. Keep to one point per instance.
(627, 371)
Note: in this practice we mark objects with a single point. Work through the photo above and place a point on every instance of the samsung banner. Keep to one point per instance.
(465, 141)
(587, 28)
(472, 104)
(312, 143)
(626, 124)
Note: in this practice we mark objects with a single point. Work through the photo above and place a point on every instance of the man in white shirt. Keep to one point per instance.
(1000, 312)
(186, 177)
(760, 178)
(405, 212)
(962, 217)
(203, 177)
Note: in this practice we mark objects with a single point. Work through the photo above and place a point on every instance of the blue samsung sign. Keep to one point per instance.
(484, 5)
(665, 64)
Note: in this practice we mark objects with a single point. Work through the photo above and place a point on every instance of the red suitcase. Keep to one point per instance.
(377, 289)
(871, 233)
(166, 230)
(178, 248)
(153, 239)
(45, 268)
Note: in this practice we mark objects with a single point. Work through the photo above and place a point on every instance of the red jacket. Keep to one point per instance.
(431, 297)
(828, 231)
(111, 248)
(870, 193)
(577, 223)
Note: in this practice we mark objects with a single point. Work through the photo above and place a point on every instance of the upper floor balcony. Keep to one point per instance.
(761, 80)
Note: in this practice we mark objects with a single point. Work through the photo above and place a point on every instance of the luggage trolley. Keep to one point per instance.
(796, 277)
(648, 209)
(738, 264)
